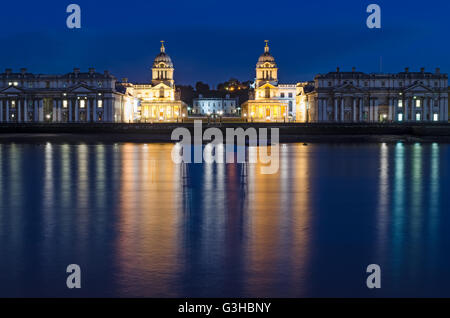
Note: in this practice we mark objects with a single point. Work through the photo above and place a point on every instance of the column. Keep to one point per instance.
(1, 110)
(19, 112)
(25, 111)
(405, 106)
(106, 109)
(361, 108)
(58, 110)
(7, 110)
(77, 110)
(41, 110)
(375, 111)
(94, 113)
(70, 102)
(54, 115)
(319, 109)
(391, 109)
(342, 109)
(335, 109)
(425, 111)
(354, 109)
(35, 111)
(88, 110)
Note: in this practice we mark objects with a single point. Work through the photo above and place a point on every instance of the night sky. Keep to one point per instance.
(212, 41)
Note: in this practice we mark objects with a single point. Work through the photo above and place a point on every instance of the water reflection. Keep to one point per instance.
(141, 225)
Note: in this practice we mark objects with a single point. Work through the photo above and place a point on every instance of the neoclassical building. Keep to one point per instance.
(215, 105)
(271, 101)
(159, 100)
(360, 97)
(73, 97)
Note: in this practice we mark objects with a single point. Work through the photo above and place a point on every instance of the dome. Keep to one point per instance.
(266, 57)
(162, 57)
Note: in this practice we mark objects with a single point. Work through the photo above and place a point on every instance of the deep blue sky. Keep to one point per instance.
(212, 40)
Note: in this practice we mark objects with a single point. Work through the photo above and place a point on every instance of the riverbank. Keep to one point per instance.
(161, 132)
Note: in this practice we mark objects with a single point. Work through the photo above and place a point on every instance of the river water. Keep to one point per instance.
(139, 225)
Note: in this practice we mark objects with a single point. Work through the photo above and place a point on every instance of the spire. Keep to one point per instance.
(266, 48)
(163, 49)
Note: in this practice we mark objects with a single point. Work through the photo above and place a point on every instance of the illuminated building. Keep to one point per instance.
(215, 105)
(271, 101)
(159, 100)
(360, 97)
(72, 97)
(302, 108)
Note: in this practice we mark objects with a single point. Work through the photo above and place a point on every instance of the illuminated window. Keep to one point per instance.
(418, 117)
(418, 104)
(282, 95)
(13, 103)
(435, 117)
(64, 103)
(100, 103)
(400, 103)
(82, 103)
(400, 117)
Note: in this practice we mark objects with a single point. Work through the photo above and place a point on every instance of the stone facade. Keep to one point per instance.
(359, 97)
(210, 105)
(158, 100)
(270, 101)
(72, 97)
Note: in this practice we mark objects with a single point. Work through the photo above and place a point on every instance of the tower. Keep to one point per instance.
(266, 68)
(162, 69)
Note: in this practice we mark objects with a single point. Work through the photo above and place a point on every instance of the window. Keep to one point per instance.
(282, 95)
(100, 103)
(47, 84)
(290, 95)
(383, 84)
(417, 116)
(400, 103)
(64, 103)
(366, 84)
(400, 84)
(435, 117)
(418, 102)
(400, 117)
(436, 84)
(82, 103)
(100, 84)
(329, 83)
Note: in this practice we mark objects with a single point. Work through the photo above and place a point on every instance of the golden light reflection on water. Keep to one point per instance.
(149, 215)
(278, 224)
(144, 226)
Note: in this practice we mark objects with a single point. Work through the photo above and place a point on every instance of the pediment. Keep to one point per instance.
(159, 85)
(418, 88)
(12, 90)
(268, 84)
(347, 88)
(81, 88)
